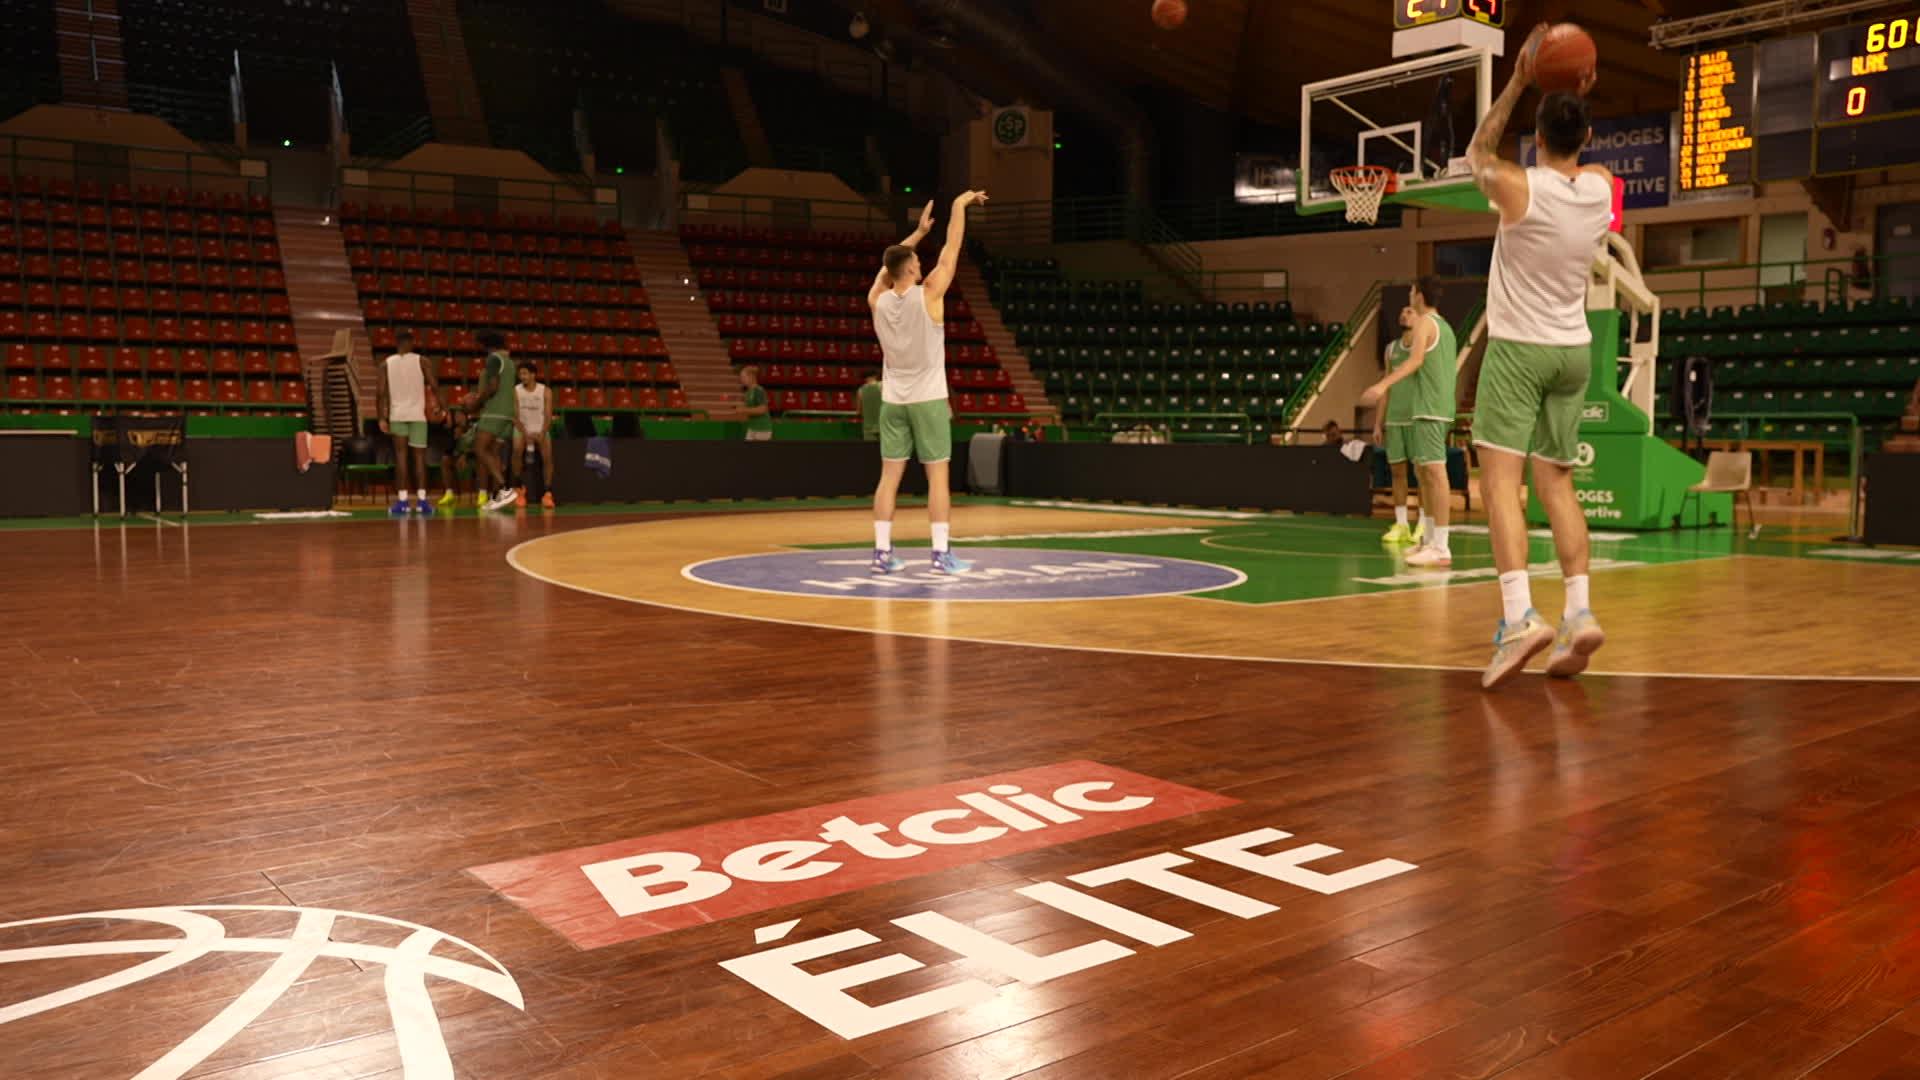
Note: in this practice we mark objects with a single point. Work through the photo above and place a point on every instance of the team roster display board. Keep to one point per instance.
(1840, 101)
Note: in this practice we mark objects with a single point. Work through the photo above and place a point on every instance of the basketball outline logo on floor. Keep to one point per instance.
(416, 1026)
(999, 575)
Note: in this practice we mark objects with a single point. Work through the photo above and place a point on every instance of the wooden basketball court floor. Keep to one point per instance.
(672, 794)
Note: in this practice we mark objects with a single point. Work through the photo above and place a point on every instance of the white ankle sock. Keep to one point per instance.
(883, 536)
(1400, 515)
(1577, 594)
(421, 495)
(942, 535)
(1516, 595)
(1426, 522)
(1437, 537)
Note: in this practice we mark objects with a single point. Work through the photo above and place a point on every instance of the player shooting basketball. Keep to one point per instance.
(1553, 218)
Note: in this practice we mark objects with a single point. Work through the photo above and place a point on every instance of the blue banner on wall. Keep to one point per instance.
(1635, 148)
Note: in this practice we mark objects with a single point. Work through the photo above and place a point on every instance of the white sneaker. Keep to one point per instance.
(503, 500)
(1428, 555)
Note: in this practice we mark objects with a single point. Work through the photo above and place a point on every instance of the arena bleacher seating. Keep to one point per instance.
(1798, 357)
(564, 291)
(794, 302)
(142, 298)
(1100, 349)
(180, 52)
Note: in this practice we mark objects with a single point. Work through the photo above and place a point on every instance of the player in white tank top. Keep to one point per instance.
(908, 318)
(532, 425)
(406, 387)
(1553, 218)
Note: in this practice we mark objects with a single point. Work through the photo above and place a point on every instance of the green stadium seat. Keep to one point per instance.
(1722, 315)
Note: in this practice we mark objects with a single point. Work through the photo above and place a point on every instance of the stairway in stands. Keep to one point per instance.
(93, 67)
(700, 357)
(321, 293)
(974, 287)
(453, 94)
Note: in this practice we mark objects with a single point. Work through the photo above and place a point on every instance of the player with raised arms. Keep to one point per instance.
(1553, 218)
(908, 318)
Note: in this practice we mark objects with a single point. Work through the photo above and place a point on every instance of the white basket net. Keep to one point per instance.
(1363, 186)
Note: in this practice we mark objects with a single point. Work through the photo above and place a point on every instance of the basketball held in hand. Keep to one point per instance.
(1169, 14)
(1564, 59)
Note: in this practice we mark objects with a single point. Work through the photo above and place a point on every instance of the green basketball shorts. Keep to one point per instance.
(1529, 399)
(414, 431)
(500, 427)
(1427, 440)
(1399, 440)
(923, 429)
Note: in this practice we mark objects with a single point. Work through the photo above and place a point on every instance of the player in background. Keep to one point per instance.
(755, 409)
(532, 426)
(1391, 424)
(915, 420)
(407, 386)
(1426, 382)
(494, 424)
(1553, 218)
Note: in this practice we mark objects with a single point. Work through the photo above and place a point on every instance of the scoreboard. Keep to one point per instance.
(1843, 100)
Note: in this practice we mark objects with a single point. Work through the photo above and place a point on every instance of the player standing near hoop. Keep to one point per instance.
(1553, 218)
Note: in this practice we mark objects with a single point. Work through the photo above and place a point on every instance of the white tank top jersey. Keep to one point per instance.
(532, 405)
(1537, 290)
(914, 348)
(406, 388)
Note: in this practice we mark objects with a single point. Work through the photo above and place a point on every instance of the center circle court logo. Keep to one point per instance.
(998, 574)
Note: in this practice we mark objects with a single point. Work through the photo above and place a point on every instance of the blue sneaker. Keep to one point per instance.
(1580, 637)
(398, 509)
(423, 508)
(945, 563)
(886, 562)
(1513, 646)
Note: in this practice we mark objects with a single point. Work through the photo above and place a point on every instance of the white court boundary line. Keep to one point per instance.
(513, 560)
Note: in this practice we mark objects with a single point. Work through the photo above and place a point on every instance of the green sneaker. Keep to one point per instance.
(1513, 646)
(1399, 534)
(1580, 637)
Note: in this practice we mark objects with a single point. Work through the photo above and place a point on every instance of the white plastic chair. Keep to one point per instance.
(1728, 472)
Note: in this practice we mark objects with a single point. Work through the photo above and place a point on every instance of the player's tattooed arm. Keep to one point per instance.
(1500, 180)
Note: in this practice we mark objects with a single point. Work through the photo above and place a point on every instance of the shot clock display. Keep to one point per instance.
(1408, 14)
(1870, 70)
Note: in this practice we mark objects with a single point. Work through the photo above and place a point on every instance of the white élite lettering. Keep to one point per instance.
(823, 998)
(638, 884)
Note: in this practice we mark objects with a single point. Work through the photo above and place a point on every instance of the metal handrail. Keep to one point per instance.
(1335, 347)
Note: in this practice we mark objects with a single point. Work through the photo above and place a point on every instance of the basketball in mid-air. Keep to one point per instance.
(1169, 14)
(1564, 58)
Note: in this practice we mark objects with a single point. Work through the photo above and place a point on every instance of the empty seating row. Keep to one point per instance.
(963, 404)
(813, 352)
(1120, 335)
(1259, 406)
(837, 282)
(1830, 341)
(454, 315)
(1177, 357)
(452, 285)
(27, 185)
(137, 271)
(128, 360)
(803, 326)
(644, 398)
(531, 343)
(729, 236)
(1052, 311)
(33, 225)
(562, 370)
(790, 303)
(1817, 371)
(623, 297)
(365, 252)
(1056, 289)
(132, 390)
(107, 298)
(822, 375)
(707, 255)
(376, 216)
(1787, 313)
(41, 325)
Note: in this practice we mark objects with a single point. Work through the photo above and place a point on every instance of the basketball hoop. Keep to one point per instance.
(1363, 186)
